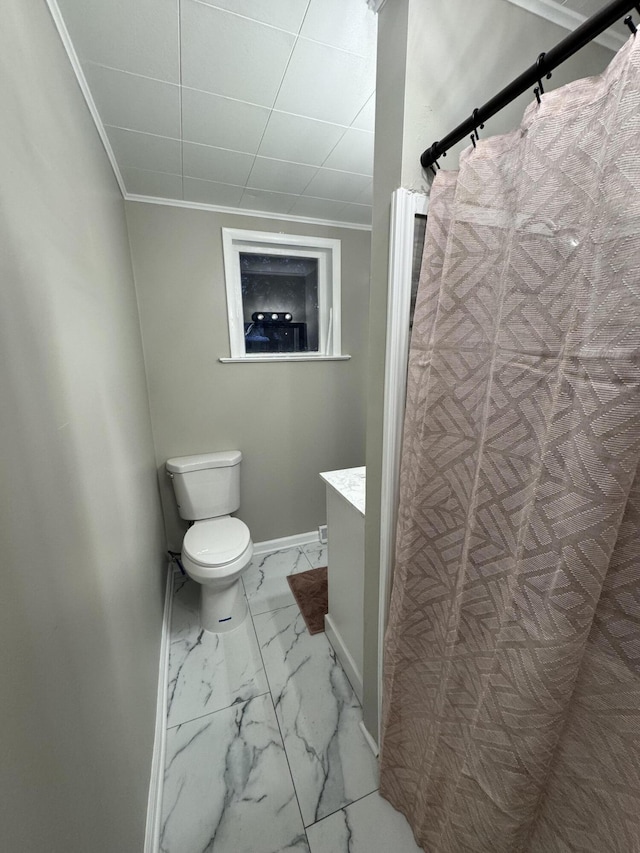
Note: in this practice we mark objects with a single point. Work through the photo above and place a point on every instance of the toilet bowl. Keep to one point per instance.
(217, 547)
(215, 553)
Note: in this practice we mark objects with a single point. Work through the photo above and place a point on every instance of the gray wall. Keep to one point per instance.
(80, 525)
(436, 62)
(290, 421)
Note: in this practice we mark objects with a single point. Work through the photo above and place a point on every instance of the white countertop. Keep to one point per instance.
(350, 483)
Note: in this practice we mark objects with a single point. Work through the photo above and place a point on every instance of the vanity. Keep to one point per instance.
(344, 623)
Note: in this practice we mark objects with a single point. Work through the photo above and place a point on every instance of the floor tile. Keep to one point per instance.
(265, 581)
(316, 554)
(371, 825)
(318, 714)
(227, 787)
(208, 672)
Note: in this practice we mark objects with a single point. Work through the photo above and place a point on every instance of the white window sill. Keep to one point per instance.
(250, 359)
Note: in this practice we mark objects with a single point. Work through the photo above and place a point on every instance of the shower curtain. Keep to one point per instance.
(511, 714)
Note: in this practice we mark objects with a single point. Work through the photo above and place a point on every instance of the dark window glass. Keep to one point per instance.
(279, 302)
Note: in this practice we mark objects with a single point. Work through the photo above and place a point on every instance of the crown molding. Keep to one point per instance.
(568, 19)
(238, 211)
(375, 5)
(63, 32)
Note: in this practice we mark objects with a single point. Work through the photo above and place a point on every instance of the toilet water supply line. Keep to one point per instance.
(175, 558)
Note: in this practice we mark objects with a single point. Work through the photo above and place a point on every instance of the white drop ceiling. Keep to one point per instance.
(263, 105)
(257, 105)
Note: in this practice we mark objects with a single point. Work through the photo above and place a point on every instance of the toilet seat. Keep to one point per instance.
(216, 542)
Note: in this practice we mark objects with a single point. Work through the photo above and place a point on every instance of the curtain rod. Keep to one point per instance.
(546, 63)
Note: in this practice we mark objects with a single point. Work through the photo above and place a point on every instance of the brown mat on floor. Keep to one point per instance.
(310, 591)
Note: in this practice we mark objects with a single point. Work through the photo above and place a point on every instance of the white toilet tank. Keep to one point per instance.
(206, 485)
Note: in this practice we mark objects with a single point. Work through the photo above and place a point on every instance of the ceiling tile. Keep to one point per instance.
(216, 164)
(222, 122)
(280, 176)
(340, 186)
(286, 14)
(232, 56)
(318, 208)
(354, 153)
(301, 140)
(324, 83)
(211, 192)
(348, 24)
(366, 196)
(356, 213)
(140, 37)
(137, 103)
(143, 151)
(275, 202)
(366, 118)
(140, 182)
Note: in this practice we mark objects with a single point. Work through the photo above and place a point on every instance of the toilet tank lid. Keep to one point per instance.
(184, 464)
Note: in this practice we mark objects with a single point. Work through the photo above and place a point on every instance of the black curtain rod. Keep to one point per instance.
(546, 63)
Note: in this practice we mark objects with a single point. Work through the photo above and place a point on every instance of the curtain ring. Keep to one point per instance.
(476, 125)
(539, 62)
(435, 165)
(437, 142)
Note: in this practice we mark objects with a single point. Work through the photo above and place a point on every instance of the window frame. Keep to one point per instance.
(326, 250)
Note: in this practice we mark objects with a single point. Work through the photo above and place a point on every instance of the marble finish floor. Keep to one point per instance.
(264, 750)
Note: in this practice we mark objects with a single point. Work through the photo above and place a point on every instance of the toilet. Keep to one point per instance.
(217, 548)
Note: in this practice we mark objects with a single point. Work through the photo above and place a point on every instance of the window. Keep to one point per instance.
(283, 296)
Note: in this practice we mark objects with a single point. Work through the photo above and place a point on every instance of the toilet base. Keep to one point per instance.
(222, 610)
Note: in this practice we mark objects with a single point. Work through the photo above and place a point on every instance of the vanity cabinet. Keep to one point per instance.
(344, 623)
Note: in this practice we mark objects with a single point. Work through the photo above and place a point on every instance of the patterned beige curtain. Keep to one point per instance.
(512, 684)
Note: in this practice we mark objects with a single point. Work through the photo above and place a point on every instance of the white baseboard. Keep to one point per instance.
(348, 663)
(286, 542)
(154, 804)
